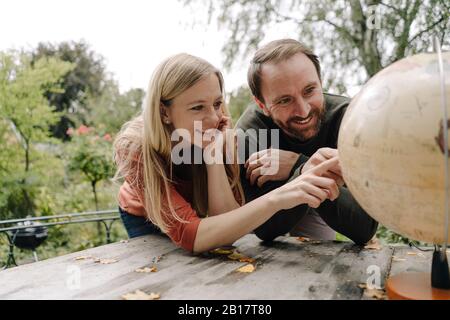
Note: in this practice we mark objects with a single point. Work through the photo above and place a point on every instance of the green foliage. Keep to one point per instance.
(23, 85)
(87, 79)
(390, 236)
(112, 109)
(91, 154)
(353, 38)
(25, 116)
(40, 175)
(239, 101)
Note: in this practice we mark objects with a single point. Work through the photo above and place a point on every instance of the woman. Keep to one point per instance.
(199, 206)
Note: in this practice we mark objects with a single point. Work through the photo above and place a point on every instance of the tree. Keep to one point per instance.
(25, 118)
(353, 38)
(90, 153)
(240, 99)
(112, 109)
(87, 79)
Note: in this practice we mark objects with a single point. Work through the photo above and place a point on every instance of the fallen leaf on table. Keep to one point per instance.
(105, 261)
(83, 258)
(397, 259)
(146, 270)
(141, 295)
(237, 256)
(303, 239)
(247, 259)
(246, 269)
(378, 294)
(373, 244)
(419, 254)
(224, 251)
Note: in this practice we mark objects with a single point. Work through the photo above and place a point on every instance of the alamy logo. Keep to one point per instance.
(213, 146)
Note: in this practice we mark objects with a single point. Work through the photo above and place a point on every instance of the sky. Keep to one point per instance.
(132, 35)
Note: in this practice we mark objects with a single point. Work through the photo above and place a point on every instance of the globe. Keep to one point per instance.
(391, 147)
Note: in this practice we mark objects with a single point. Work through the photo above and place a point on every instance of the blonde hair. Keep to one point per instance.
(144, 146)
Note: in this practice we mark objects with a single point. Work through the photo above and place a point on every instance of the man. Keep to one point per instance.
(284, 77)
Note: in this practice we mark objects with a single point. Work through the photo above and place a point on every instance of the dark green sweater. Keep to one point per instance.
(344, 214)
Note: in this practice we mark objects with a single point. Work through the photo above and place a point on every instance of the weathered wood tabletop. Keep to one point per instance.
(284, 269)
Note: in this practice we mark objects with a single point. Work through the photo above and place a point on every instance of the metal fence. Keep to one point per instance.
(11, 228)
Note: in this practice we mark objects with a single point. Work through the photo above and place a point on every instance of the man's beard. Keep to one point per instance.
(291, 129)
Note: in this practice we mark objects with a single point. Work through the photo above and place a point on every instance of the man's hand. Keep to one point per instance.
(260, 162)
(322, 155)
(311, 188)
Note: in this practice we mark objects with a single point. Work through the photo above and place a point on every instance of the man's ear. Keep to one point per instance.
(164, 114)
(262, 106)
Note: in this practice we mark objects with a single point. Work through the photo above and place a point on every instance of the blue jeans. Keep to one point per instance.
(137, 226)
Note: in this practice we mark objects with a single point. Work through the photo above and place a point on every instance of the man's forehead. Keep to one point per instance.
(296, 71)
(298, 64)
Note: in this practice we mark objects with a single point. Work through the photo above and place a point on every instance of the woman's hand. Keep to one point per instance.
(219, 135)
(224, 124)
(310, 188)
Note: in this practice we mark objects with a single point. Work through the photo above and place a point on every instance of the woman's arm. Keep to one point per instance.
(220, 196)
(226, 228)
(310, 188)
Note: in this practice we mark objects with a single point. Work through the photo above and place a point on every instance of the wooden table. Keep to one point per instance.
(285, 269)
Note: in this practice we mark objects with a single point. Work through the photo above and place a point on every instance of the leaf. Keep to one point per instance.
(235, 256)
(240, 257)
(373, 244)
(246, 269)
(146, 270)
(83, 258)
(140, 295)
(224, 251)
(105, 261)
(378, 294)
(303, 239)
(247, 259)
(419, 254)
(397, 259)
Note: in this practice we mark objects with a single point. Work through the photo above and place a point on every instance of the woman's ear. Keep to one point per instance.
(164, 114)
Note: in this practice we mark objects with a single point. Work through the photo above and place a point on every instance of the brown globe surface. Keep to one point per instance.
(391, 147)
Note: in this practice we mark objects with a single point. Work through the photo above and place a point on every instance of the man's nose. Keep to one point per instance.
(302, 107)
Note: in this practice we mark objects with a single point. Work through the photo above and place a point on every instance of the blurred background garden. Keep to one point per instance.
(71, 73)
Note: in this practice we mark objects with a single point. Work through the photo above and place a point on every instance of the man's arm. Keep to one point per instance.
(344, 214)
(281, 222)
(347, 217)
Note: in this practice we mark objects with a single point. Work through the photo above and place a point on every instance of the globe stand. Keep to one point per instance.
(440, 275)
(422, 285)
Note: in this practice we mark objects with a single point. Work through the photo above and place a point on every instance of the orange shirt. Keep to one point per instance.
(182, 234)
